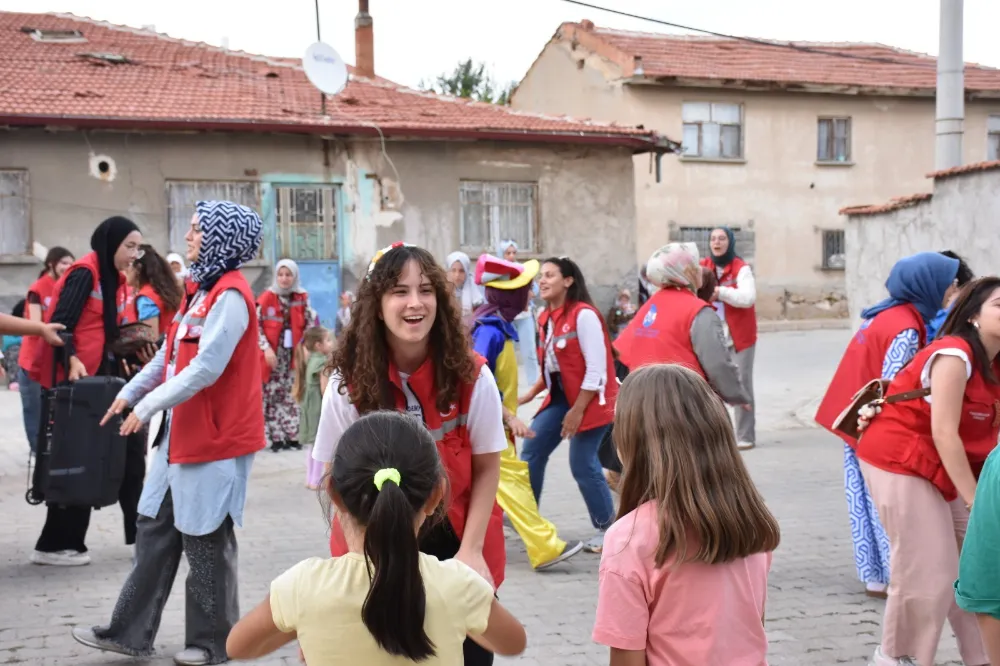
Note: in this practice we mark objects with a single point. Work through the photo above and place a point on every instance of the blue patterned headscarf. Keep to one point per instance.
(231, 236)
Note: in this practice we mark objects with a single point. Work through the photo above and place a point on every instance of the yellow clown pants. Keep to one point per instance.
(518, 501)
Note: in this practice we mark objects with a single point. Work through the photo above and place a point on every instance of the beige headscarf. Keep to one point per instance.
(675, 265)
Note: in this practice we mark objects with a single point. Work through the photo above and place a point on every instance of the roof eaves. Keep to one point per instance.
(976, 167)
(897, 203)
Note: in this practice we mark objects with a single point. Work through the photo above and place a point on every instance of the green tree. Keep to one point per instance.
(471, 80)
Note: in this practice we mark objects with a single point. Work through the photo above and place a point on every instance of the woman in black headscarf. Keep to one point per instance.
(85, 301)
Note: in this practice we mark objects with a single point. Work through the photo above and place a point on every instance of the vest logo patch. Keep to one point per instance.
(48, 301)
(980, 416)
(565, 328)
(451, 410)
(270, 312)
(650, 317)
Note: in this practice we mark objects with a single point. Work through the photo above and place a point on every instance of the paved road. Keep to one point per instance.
(816, 611)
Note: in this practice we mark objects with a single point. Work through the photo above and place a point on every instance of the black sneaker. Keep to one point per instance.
(569, 551)
(293, 444)
(277, 446)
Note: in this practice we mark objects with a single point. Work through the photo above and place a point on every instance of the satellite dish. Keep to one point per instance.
(325, 68)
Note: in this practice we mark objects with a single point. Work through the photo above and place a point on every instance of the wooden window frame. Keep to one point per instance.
(700, 124)
(831, 140)
(493, 232)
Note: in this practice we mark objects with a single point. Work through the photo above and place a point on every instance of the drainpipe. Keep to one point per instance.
(950, 88)
(364, 42)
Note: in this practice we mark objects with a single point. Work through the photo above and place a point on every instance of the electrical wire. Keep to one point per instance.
(759, 42)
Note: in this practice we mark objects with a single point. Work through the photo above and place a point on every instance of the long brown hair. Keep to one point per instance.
(154, 270)
(362, 359)
(312, 338)
(677, 448)
(967, 305)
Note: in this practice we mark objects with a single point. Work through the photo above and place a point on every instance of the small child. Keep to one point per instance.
(384, 601)
(683, 575)
(310, 381)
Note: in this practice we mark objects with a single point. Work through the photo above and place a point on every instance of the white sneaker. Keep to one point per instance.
(879, 659)
(63, 558)
(877, 590)
(191, 656)
(744, 446)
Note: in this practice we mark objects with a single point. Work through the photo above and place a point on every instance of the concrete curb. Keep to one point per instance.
(779, 325)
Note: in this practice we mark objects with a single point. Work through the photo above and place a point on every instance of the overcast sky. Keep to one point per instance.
(418, 39)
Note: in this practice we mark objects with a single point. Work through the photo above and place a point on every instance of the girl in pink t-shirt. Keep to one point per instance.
(683, 575)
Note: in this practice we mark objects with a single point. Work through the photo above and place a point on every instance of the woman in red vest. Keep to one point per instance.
(80, 302)
(156, 293)
(676, 326)
(921, 458)
(206, 381)
(578, 370)
(892, 332)
(734, 300)
(36, 308)
(406, 348)
(284, 315)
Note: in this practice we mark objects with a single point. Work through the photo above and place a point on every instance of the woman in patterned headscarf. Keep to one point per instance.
(675, 326)
(207, 381)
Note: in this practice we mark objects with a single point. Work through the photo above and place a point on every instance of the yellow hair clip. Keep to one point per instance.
(387, 474)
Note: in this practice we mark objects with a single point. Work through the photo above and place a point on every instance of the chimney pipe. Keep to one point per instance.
(364, 42)
(950, 88)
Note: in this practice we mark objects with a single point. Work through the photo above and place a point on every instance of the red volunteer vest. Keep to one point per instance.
(43, 287)
(131, 314)
(661, 331)
(88, 336)
(272, 321)
(126, 305)
(451, 433)
(899, 439)
(572, 365)
(226, 419)
(742, 322)
(862, 361)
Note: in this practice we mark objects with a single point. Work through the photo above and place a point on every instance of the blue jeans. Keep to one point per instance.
(583, 462)
(31, 406)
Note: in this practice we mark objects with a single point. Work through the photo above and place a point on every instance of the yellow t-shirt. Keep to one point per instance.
(321, 600)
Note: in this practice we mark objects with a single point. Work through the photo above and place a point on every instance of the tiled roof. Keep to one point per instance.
(738, 62)
(964, 169)
(168, 83)
(894, 204)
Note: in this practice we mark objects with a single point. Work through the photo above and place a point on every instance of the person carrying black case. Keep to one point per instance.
(84, 301)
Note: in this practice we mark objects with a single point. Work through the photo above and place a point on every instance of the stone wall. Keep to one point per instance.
(961, 215)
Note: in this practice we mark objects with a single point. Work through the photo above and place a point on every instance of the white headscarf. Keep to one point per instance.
(505, 245)
(172, 258)
(470, 295)
(296, 288)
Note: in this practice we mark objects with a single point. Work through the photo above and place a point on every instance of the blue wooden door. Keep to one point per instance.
(307, 232)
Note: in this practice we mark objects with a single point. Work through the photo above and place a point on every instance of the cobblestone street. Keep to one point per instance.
(816, 612)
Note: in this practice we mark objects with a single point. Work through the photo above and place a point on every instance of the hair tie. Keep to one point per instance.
(384, 251)
(386, 474)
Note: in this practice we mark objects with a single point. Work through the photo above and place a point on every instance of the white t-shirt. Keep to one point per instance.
(485, 422)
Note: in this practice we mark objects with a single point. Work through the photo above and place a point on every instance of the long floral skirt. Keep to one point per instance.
(871, 545)
(281, 414)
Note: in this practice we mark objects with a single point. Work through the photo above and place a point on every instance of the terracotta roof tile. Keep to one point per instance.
(964, 169)
(894, 204)
(731, 60)
(169, 83)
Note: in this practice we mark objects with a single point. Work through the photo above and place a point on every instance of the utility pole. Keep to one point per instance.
(950, 95)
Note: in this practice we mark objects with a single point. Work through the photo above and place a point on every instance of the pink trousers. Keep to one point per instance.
(925, 536)
(314, 468)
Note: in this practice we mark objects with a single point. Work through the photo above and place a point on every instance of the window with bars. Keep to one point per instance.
(182, 196)
(307, 222)
(712, 130)
(993, 138)
(15, 222)
(495, 211)
(834, 258)
(833, 140)
(700, 236)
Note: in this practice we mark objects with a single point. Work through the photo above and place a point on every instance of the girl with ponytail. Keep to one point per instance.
(384, 599)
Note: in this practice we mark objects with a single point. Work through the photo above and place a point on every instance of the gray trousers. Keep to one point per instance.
(212, 602)
(746, 422)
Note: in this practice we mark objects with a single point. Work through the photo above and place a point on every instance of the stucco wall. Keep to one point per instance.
(778, 191)
(962, 217)
(586, 195)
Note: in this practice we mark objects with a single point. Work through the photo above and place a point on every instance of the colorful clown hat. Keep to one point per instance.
(502, 274)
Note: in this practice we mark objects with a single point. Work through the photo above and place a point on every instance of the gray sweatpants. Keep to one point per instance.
(746, 422)
(212, 603)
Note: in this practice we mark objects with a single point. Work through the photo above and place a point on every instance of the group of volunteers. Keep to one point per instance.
(922, 454)
(411, 414)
